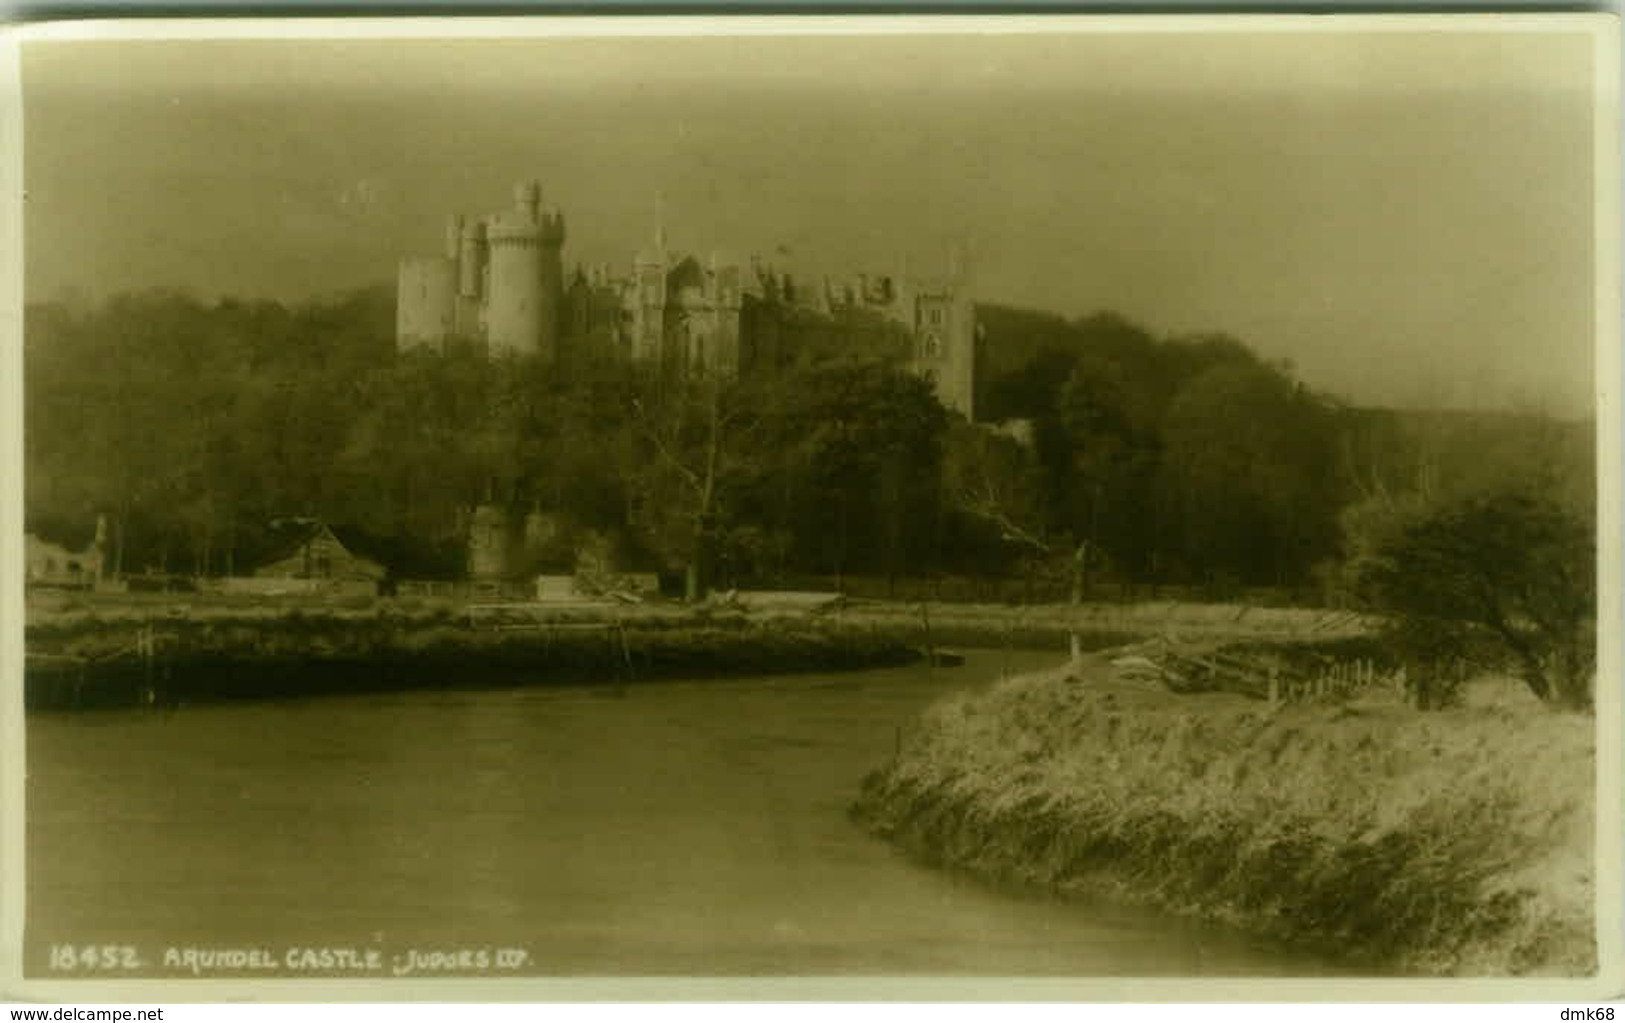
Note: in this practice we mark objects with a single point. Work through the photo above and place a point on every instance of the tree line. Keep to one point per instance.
(1123, 458)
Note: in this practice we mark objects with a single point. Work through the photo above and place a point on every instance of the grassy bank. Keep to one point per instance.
(1456, 842)
(87, 661)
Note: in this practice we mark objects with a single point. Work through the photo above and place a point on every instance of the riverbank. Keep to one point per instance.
(88, 662)
(1457, 842)
(103, 650)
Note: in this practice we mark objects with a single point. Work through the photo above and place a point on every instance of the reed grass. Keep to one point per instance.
(1456, 842)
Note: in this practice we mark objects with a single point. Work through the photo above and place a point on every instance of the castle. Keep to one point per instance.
(500, 286)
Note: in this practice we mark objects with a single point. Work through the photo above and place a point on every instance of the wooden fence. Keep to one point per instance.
(1189, 668)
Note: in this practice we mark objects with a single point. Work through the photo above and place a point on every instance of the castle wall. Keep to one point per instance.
(426, 302)
(471, 277)
(470, 318)
(501, 286)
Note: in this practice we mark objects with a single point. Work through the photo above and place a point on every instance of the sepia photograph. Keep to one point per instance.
(837, 500)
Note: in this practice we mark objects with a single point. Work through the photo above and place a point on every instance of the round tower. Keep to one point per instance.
(513, 303)
(524, 300)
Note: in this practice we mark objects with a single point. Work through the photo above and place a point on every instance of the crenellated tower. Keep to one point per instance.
(945, 336)
(514, 306)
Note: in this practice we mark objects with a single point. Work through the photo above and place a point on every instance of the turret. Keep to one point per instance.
(551, 223)
(527, 201)
(454, 236)
(551, 232)
(472, 260)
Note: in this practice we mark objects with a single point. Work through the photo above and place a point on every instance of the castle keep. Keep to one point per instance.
(500, 286)
(499, 282)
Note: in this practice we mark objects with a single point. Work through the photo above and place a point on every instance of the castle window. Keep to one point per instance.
(936, 317)
(933, 346)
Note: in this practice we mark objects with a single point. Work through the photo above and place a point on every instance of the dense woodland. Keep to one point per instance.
(1143, 460)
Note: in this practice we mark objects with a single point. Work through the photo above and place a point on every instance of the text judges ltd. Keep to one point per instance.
(346, 960)
(300, 959)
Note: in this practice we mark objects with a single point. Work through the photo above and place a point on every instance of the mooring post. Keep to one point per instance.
(626, 651)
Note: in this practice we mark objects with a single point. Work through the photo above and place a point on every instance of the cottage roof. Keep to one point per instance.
(289, 536)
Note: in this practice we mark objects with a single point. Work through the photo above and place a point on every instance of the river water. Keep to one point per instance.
(671, 828)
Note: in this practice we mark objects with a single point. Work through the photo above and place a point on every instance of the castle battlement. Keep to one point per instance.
(511, 238)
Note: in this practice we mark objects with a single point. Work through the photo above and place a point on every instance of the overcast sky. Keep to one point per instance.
(1406, 215)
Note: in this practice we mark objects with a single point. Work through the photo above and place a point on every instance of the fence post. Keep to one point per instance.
(1009, 636)
(930, 649)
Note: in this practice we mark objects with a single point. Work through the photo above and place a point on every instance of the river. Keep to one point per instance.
(675, 828)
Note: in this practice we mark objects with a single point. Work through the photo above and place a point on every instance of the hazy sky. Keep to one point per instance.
(1407, 215)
